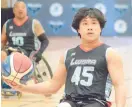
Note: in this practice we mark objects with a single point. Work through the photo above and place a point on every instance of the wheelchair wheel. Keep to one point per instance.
(42, 71)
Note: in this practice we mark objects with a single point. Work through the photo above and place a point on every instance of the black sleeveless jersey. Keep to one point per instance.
(87, 72)
(20, 36)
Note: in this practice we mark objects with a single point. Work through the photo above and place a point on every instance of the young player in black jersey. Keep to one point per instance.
(85, 69)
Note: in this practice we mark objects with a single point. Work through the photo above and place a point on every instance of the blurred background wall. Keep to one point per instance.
(7, 3)
(6, 10)
(56, 15)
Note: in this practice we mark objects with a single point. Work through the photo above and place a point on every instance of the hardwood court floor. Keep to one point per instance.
(32, 100)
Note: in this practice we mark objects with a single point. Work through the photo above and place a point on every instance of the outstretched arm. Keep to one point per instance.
(48, 87)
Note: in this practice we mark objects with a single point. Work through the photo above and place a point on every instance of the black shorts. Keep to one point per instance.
(91, 102)
(82, 104)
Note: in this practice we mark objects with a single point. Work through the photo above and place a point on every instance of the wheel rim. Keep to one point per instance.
(43, 71)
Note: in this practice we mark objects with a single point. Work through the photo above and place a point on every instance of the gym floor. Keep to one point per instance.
(57, 46)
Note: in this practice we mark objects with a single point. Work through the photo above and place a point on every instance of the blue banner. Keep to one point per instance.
(56, 15)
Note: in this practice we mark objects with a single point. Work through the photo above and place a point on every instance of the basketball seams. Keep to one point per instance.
(18, 71)
(16, 76)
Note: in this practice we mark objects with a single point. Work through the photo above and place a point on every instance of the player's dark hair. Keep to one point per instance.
(90, 12)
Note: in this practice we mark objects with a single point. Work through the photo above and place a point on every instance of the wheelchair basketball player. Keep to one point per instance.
(85, 68)
(21, 31)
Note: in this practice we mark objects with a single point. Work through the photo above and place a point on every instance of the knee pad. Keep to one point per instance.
(64, 104)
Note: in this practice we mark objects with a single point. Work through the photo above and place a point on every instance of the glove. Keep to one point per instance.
(38, 57)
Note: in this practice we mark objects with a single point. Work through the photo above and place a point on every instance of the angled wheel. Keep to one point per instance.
(43, 71)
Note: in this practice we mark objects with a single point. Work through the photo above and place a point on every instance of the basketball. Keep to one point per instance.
(17, 69)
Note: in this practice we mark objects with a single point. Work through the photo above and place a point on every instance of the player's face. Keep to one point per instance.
(20, 10)
(89, 29)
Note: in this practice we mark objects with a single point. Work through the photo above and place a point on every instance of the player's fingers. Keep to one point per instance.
(16, 87)
(7, 82)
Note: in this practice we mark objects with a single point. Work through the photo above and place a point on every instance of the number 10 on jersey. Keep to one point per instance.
(86, 72)
(18, 41)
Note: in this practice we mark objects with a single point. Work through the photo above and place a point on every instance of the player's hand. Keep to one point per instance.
(38, 57)
(18, 87)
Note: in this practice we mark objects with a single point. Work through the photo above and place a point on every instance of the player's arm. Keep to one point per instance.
(49, 87)
(3, 36)
(40, 33)
(3, 43)
(115, 67)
